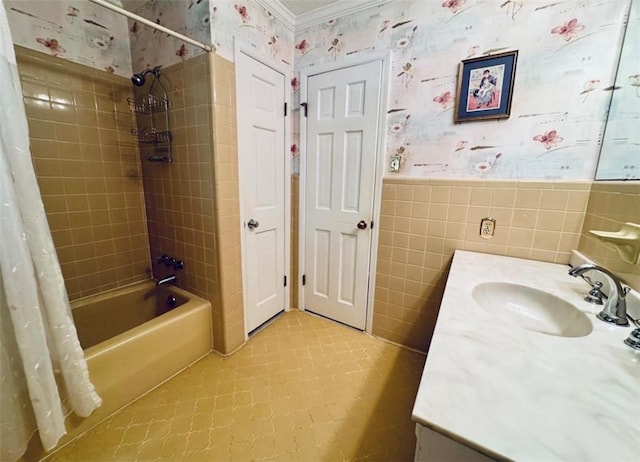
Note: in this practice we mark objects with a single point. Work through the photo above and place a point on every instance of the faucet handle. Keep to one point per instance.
(164, 259)
(176, 264)
(595, 295)
(591, 282)
(168, 261)
(634, 339)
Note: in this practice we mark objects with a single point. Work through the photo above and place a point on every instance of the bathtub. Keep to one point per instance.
(133, 341)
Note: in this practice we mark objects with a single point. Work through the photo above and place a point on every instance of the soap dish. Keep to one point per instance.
(626, 242)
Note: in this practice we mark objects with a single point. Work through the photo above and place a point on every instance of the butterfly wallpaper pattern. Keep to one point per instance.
(92, 35)
(564, 80)
(209, 21)
(75, 30)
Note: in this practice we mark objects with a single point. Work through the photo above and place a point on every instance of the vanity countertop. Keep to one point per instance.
(511, 393)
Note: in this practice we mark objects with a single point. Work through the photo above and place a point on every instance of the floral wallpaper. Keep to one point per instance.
(620, 156)
(254, 26)
(150, 47)
(208, 21)
(75, 30)
(563, 85)
(89, 34)
(564, 80)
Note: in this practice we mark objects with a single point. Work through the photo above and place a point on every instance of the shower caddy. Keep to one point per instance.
(152, 117)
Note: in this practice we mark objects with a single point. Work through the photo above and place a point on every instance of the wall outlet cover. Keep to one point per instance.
(487, 227)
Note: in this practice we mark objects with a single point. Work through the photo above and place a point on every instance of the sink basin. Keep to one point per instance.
(532, 309)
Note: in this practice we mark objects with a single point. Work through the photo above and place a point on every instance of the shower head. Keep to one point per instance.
(139, 79)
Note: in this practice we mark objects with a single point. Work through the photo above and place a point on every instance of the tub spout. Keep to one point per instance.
(171, 279)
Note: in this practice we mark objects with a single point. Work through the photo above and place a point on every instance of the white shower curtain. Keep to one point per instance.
(41, 361)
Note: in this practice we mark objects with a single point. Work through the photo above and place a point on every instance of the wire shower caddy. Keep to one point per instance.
(152, 118)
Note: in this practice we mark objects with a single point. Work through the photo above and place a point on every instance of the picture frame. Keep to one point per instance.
(485, 87)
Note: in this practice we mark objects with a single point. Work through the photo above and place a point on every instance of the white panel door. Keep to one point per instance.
(343, 114)
(261, 151)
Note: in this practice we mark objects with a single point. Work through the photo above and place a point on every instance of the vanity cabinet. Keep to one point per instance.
(432, 446)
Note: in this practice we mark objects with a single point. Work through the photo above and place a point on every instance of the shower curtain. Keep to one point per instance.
(41, 361)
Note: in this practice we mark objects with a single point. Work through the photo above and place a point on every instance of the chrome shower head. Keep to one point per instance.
(139, 79)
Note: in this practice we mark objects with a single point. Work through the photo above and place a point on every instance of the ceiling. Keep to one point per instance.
(298, 7)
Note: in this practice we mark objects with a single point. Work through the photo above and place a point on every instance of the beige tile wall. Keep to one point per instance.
(88, 169)
(193, 203)
(424, 221)
(180, 196)
(611, 204)
(230, 314)
(90, 174)
(295, 242)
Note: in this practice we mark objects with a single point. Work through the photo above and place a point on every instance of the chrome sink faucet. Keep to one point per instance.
(615, 308)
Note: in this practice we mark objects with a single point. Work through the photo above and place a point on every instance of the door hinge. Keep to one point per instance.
(285, 281)
(304, 279)
(305, 106)
(285, 109)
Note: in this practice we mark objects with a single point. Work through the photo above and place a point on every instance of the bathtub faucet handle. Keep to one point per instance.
(164, 259)
(176, 264)
(170, 262)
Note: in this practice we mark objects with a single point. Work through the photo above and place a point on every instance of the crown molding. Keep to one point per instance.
(318, 16)
(332, 11)
(280, 11)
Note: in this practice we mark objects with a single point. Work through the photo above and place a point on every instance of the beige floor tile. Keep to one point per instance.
(302, 389)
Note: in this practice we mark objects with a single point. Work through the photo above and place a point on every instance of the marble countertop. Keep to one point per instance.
(515, 394)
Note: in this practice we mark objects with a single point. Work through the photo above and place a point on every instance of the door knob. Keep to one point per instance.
(252, 224)
(362, 224)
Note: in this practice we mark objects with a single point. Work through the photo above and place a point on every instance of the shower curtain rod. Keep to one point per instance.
(129, 14)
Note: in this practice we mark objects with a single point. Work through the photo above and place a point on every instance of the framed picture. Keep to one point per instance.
(485, 87)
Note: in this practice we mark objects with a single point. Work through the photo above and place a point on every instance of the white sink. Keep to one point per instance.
(531, 309)
(517, 394)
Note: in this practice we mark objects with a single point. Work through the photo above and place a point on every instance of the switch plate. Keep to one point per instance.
(487, 227)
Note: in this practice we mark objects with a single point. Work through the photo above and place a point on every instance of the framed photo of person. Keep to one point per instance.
(485, 87)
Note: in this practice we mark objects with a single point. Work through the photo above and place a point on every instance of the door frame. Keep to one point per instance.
(286, 74)
(310, 71)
